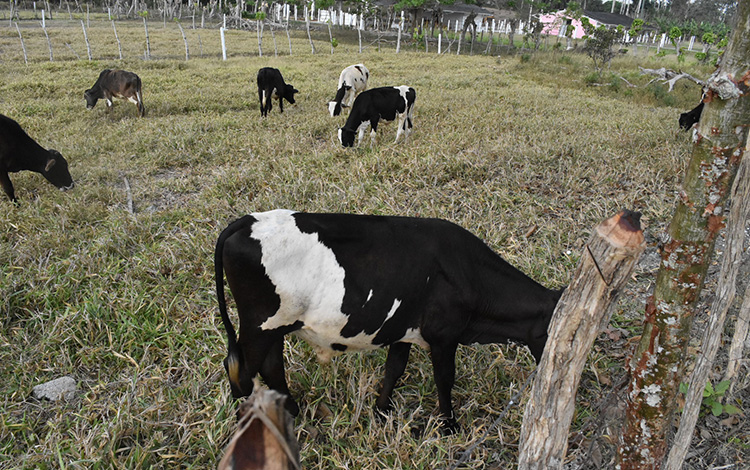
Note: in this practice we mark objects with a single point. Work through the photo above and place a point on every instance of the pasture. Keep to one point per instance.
(518, 150)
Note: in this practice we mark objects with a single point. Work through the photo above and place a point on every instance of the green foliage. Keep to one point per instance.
(712, 399)
(600, 42)
(636, 27)
(709, 38)
(334, 42)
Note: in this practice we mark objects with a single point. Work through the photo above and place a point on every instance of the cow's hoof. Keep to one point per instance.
(448, 426)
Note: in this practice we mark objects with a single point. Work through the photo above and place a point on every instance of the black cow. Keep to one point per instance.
(19, 152)
(371, 106)
(116, 84)
(350, 282)
(271, 84)
(690, 118)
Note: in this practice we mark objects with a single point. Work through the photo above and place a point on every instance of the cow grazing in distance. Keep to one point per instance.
(371, 106)
(19, 152)
(271, 85)
(690, 118)
(347, 282)
(116, 84)
(352, 81)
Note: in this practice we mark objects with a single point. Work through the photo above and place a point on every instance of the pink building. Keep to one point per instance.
(556, 24)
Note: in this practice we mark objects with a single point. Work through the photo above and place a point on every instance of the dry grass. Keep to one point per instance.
(125, 303)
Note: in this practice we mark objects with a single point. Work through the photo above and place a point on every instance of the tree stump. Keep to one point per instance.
(606, 264)
(265, 438)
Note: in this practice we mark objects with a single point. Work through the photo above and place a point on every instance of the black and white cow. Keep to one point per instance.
(690, 118)
(19, 152)
(352, 81)
(371, 106)
(350, 282)
(271, 84)
(116, 84)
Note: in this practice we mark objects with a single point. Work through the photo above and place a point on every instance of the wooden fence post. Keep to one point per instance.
(86, 38)
(148, 42)
(607, 262)
(117, 38)
(184, 39)
(223, 43)
(23, 46)
(49, 43)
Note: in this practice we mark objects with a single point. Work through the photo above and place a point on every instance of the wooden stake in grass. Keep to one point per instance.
(148, 43)
(86, 38)
(307, 26)
(49, 43)
(184, 39)
(117, 38)
(606, 265)
(23, 46)
(288, 38)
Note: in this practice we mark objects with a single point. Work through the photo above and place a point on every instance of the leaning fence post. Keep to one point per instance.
(49, 43)
(606, 264)
(117, 38)
(184, 39)
(86, 38)
(23, 46)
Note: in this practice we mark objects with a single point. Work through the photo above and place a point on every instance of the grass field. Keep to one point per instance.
(125, 302)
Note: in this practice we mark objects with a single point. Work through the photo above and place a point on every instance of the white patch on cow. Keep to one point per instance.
(310, 284)
(263, 101)
(133, 100)
(369, 296)
(414, 336)
(331, 107)
(361, 131)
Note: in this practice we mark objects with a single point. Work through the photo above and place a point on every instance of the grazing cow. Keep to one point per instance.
(690, 118)
(19, 152)
(271, 84)
(116, 84)
(371, 106)
(352, 81)
(350, 282)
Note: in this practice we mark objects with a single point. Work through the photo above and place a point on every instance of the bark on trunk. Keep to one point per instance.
(735, 239)
(656, 367)
(606, 265)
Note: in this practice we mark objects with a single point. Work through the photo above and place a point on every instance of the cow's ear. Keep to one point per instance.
(295, 90)
(50, 163)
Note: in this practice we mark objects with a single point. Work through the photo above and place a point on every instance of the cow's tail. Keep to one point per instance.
(233, 352)
(139, 97)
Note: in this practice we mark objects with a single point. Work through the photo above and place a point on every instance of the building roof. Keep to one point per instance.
(609, 19)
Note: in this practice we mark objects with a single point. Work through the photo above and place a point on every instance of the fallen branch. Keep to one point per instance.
(670, 76)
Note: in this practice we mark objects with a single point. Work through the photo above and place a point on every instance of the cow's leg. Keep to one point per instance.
(262, 100)
(400, 129)
(373, 131)
(7, 186)
(444, 367)
(395, 365)
(273, 374)
(254, 346)
(281, 104)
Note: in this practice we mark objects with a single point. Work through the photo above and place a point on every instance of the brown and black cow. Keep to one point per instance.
(116, 84)
(19, 152)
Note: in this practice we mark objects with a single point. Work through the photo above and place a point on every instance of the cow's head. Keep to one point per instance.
(289, 92)
(346, 137)
(90, 99)
(56, 171)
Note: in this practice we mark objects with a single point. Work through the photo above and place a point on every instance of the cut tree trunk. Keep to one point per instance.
(265, 438)
(606, 265)
(657, 366)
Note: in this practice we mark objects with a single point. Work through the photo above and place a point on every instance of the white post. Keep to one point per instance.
(692, 41)
(440, 43)
(43, 24)
(223, 43)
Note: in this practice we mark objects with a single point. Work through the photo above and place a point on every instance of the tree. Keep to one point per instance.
(657, 365)
(600, 43)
